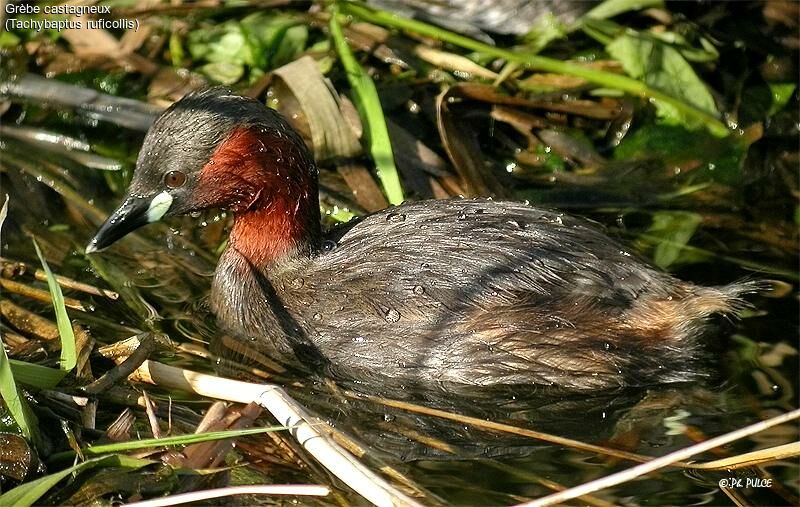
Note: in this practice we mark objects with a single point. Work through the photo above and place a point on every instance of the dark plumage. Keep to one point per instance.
(496, 16)
(458, 291)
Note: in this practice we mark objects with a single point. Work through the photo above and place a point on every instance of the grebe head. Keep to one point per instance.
(215, 149)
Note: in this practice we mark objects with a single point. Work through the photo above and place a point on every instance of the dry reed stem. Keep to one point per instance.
(662, 462)
(289, 413)
(205, 495)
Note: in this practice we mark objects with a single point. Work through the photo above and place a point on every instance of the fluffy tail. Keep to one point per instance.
(726, 299)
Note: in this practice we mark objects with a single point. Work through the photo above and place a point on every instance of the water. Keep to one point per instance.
(464, 465)
(754, 376)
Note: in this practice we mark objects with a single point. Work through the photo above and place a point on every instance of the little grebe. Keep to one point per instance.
(469, 291)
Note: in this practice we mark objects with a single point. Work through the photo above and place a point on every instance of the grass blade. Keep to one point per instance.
(15, 403)
(69, 356)
(193, 438)
(29, 493)
(149, 443)
(369, 106)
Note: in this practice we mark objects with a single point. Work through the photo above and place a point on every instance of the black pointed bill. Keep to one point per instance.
(133, 213)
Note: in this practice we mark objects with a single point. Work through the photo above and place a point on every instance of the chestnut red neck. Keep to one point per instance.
(268, 179)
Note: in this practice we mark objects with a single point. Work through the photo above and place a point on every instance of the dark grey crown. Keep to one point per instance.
(185, 136)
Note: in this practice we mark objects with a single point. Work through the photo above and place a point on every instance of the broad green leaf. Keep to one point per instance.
(261, 41)
(223, 72)
(290, 46)
(273, 39)
(29, 493)
(605, 31)
(69, 356)
(706, 53)
(261, 33)
(36, 375)
(223, 43)
(369, 107)
(664, 68)
(672, 230)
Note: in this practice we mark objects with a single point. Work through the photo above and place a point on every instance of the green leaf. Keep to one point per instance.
(274, 39)
(148, 443)
(369, 107)
(15, 403)
(8, 39)
(223, 43)
(192, 438)
(176, 53)
(290, 46)
(706, 53)
(664, 68)
(672, 230)
(550, 160)
(223, 72)
(781, 93)
(342, 215)
(40, 377)
(29, 493)
(69, 356)
(260, 41)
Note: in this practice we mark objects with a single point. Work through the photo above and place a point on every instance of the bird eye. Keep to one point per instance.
(174, 179)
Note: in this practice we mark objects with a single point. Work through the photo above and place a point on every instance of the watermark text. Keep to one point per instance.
(745, 482)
